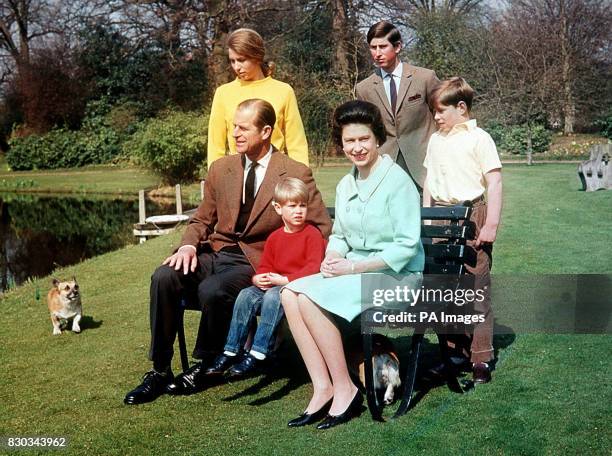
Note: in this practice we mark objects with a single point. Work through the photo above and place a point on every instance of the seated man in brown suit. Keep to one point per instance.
(221, 247)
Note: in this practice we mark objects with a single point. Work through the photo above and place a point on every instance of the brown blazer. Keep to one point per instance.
(409, 130)
(215, 219)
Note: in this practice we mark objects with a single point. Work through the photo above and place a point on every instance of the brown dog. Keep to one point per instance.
(64, 301)
(385, 362)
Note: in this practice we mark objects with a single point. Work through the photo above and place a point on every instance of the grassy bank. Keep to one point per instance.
(550, 394)
(89, 179)
(103, 179)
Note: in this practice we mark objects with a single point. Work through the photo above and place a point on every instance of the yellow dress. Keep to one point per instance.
(288, 135)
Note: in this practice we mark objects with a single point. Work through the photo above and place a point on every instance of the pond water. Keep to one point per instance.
(40, 233)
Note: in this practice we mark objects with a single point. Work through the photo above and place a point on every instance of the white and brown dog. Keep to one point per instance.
(64, 301)
(385, 363)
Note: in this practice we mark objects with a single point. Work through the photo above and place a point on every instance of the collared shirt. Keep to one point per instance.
(457, 162)
(397, 75)
(260, 170)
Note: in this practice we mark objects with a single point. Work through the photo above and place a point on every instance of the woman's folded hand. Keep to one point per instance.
(333, 267)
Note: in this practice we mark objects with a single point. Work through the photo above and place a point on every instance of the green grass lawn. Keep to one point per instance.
(90, 179)
(551, 394)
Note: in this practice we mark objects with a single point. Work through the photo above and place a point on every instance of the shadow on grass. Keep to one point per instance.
(430, 357)
(292, 383)
(284, 367)
(88, 322)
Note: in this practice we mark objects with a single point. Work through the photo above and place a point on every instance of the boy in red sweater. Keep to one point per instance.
(292, 251)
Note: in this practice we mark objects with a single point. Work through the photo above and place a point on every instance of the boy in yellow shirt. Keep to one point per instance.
(463, 165)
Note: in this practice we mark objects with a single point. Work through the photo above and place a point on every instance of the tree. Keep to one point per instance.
(526, 71)
(581, 33)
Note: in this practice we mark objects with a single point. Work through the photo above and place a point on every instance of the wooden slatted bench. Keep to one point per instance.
(445, 252)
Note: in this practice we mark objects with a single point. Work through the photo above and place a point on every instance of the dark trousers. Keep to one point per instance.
(215, 284)
(477, 343)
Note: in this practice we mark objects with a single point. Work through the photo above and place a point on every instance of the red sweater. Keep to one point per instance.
(293, 255)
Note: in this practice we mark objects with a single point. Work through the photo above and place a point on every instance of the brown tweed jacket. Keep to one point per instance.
(409, 130)
(214, 221)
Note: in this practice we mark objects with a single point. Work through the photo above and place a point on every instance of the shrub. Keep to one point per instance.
(173, 145)
(99, 141)
(605, 125)
(513, 139)
(62, 148)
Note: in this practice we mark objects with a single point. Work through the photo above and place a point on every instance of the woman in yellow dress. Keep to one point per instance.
(254, 80)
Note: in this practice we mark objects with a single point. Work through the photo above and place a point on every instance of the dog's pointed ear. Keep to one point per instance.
(74, 278)
(55, 282)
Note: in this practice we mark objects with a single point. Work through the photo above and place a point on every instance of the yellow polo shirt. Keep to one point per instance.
(457, 162)
(288, 134)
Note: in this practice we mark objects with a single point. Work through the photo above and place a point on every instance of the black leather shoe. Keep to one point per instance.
(221, 364)
(153, 385)
(248, 365)
(481, 373)
(353, 410)
(455, 367)
(310, 418)
(189, 382)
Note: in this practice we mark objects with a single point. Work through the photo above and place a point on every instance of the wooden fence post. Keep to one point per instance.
(179, 202)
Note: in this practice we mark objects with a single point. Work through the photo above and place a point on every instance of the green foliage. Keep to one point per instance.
(60, 148)
(172, 145)
(99, 140)
(317, 99)
(140, 72)
(513, 139)
(451, 44)
(605, 125)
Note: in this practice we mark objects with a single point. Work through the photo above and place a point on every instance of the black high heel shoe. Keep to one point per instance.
(309, 418)
(353, 410)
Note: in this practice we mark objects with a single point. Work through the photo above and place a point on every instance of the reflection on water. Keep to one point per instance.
(38, 234)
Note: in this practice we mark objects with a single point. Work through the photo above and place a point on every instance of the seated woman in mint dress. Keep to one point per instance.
(377, 229)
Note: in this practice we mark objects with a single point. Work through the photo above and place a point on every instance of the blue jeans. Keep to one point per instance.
(250, 302)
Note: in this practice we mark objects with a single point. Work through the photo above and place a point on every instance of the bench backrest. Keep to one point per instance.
(444, 241)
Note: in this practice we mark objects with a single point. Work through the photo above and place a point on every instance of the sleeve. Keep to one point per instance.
(405, 219)
(217, 130)
(487, 153)
(204, 220)
(295, 137)
(267, 258)
(427, 154)
(315, 248)
(358, 94)
(432, 82)
(317, 212)
(337, 240)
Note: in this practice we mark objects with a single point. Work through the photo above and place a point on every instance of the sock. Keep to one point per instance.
(457, 359)
(229, 353)
(257, 355)
(164, 371)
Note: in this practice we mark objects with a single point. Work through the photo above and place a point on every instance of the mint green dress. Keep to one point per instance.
(379, 216)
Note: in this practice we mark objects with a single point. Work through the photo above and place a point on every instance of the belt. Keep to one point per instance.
(474, 202)
(232, 249)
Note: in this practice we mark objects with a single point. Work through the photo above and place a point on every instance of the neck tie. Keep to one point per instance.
(249, 186)
(393, 93)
